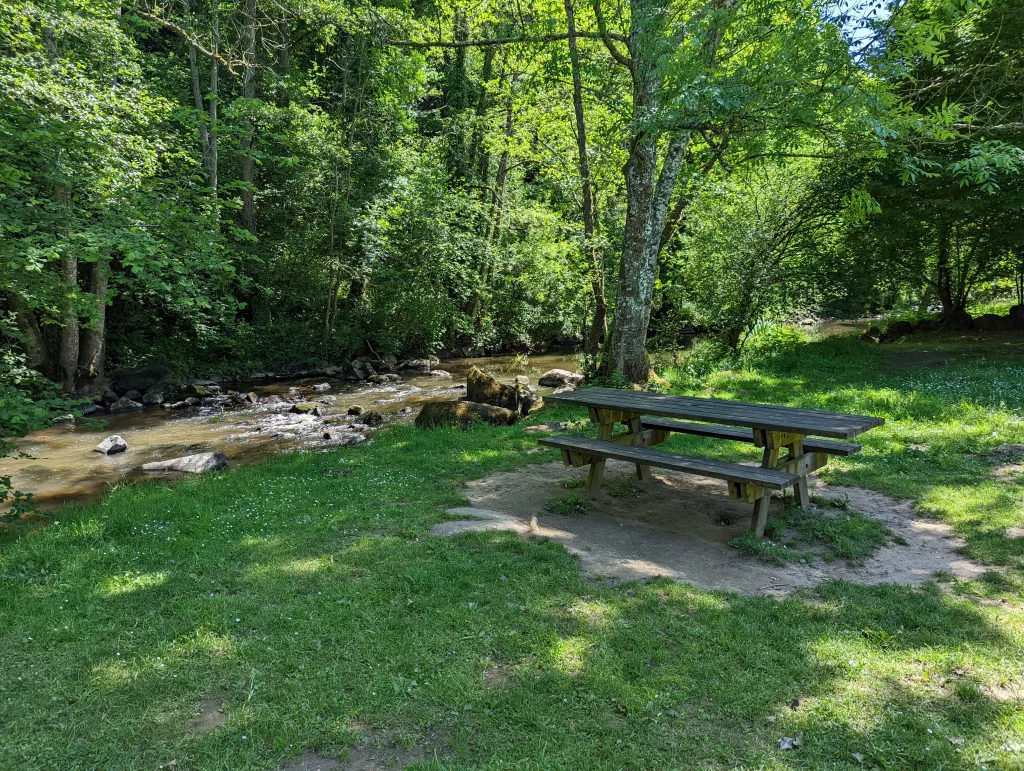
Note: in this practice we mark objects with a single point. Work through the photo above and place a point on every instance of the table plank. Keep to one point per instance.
(764, 416)
(717, 469)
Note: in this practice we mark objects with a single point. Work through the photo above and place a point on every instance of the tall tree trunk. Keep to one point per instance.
(36, 354)
(248, 93)
(500, 178)
(648, 192)
(335, 283)
(197, 98)
(67, 357)
(477, 147)
(944, 273)
(214, 94)
(93, 339)
(599, 323)
(284, 61)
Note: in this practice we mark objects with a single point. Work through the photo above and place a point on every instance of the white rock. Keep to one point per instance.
(192, 464)
(111, 445)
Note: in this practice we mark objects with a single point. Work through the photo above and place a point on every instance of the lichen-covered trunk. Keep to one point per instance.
(647, 202)
(67, 357)
(648, 191)
(599, 323)
(212, 170)
(248, 93)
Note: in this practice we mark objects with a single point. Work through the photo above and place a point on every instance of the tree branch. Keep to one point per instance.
(609, 38)
(186, 36)
(492, 41)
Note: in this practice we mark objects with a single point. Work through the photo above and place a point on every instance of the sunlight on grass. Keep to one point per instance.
(568, 654)
(595, 614)
(224, 587)
(129, 583)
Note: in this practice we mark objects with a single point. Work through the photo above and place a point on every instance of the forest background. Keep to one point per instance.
(251, 185)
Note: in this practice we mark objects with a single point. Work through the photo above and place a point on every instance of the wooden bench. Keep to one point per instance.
(746, 483)
(810, 444)
(788, 437)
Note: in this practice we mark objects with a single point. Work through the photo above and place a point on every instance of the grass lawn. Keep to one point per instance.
(305, 597)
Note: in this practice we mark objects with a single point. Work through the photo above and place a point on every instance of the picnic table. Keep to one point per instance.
(651, 419)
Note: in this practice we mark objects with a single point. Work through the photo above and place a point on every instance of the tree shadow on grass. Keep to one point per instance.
(311, 605)
(304, 636)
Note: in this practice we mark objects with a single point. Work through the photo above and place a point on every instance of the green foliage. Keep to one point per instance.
(704, 357)
(313, 572)
(569, 505)
(28, 402)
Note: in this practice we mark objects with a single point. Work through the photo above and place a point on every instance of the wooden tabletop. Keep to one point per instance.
(730, 413)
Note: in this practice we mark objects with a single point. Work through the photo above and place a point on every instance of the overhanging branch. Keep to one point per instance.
(492, 41)
(187, 37)
(610, 39)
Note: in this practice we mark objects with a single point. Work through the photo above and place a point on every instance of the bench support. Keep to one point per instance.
(795, 461)
(635, 436)
(604, 432)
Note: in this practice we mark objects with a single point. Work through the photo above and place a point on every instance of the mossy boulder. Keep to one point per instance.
(990, 322)
(484, 389)
(872, 335)
(462, 414)
(898, 329)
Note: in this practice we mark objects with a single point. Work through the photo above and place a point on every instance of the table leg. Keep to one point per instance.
(769, 459)
(604, 432)
(800, 489)
(643, 472)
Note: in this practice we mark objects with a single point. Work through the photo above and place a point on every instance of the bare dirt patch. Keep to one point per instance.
(211, 716)
(377, 750)
(387, 749)
(1007, 472)
(495, 677)
(679, 526)
(310, 761)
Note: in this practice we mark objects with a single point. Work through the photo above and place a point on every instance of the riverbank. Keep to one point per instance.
(58, 465)
(299, 608)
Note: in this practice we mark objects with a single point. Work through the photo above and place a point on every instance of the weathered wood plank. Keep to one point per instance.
(804, 464)
(747, 493)
(767, 417)
(643, 471)
(711, 431)
(734, 472)
(604, 433)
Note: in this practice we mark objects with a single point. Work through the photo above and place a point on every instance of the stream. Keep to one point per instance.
(58, 465)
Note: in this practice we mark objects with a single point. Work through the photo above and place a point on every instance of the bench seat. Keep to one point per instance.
(827, 446)
(731, 472)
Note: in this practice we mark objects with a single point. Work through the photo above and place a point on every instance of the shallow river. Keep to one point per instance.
(58, 465)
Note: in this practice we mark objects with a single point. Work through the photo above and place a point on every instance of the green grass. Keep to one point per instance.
(306, 595)
(570, 504)
(817, 534)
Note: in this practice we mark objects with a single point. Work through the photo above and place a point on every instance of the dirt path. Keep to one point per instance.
(669, 529)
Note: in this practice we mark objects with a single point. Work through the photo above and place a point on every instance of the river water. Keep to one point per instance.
(58, 465)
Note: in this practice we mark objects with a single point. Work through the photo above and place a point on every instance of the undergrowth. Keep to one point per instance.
(810, 534)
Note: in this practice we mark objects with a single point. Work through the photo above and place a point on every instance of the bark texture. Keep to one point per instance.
(36, 354)
(599, 322)
(67, 357)
(93, 339)
(648, 190)
(248, 92)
